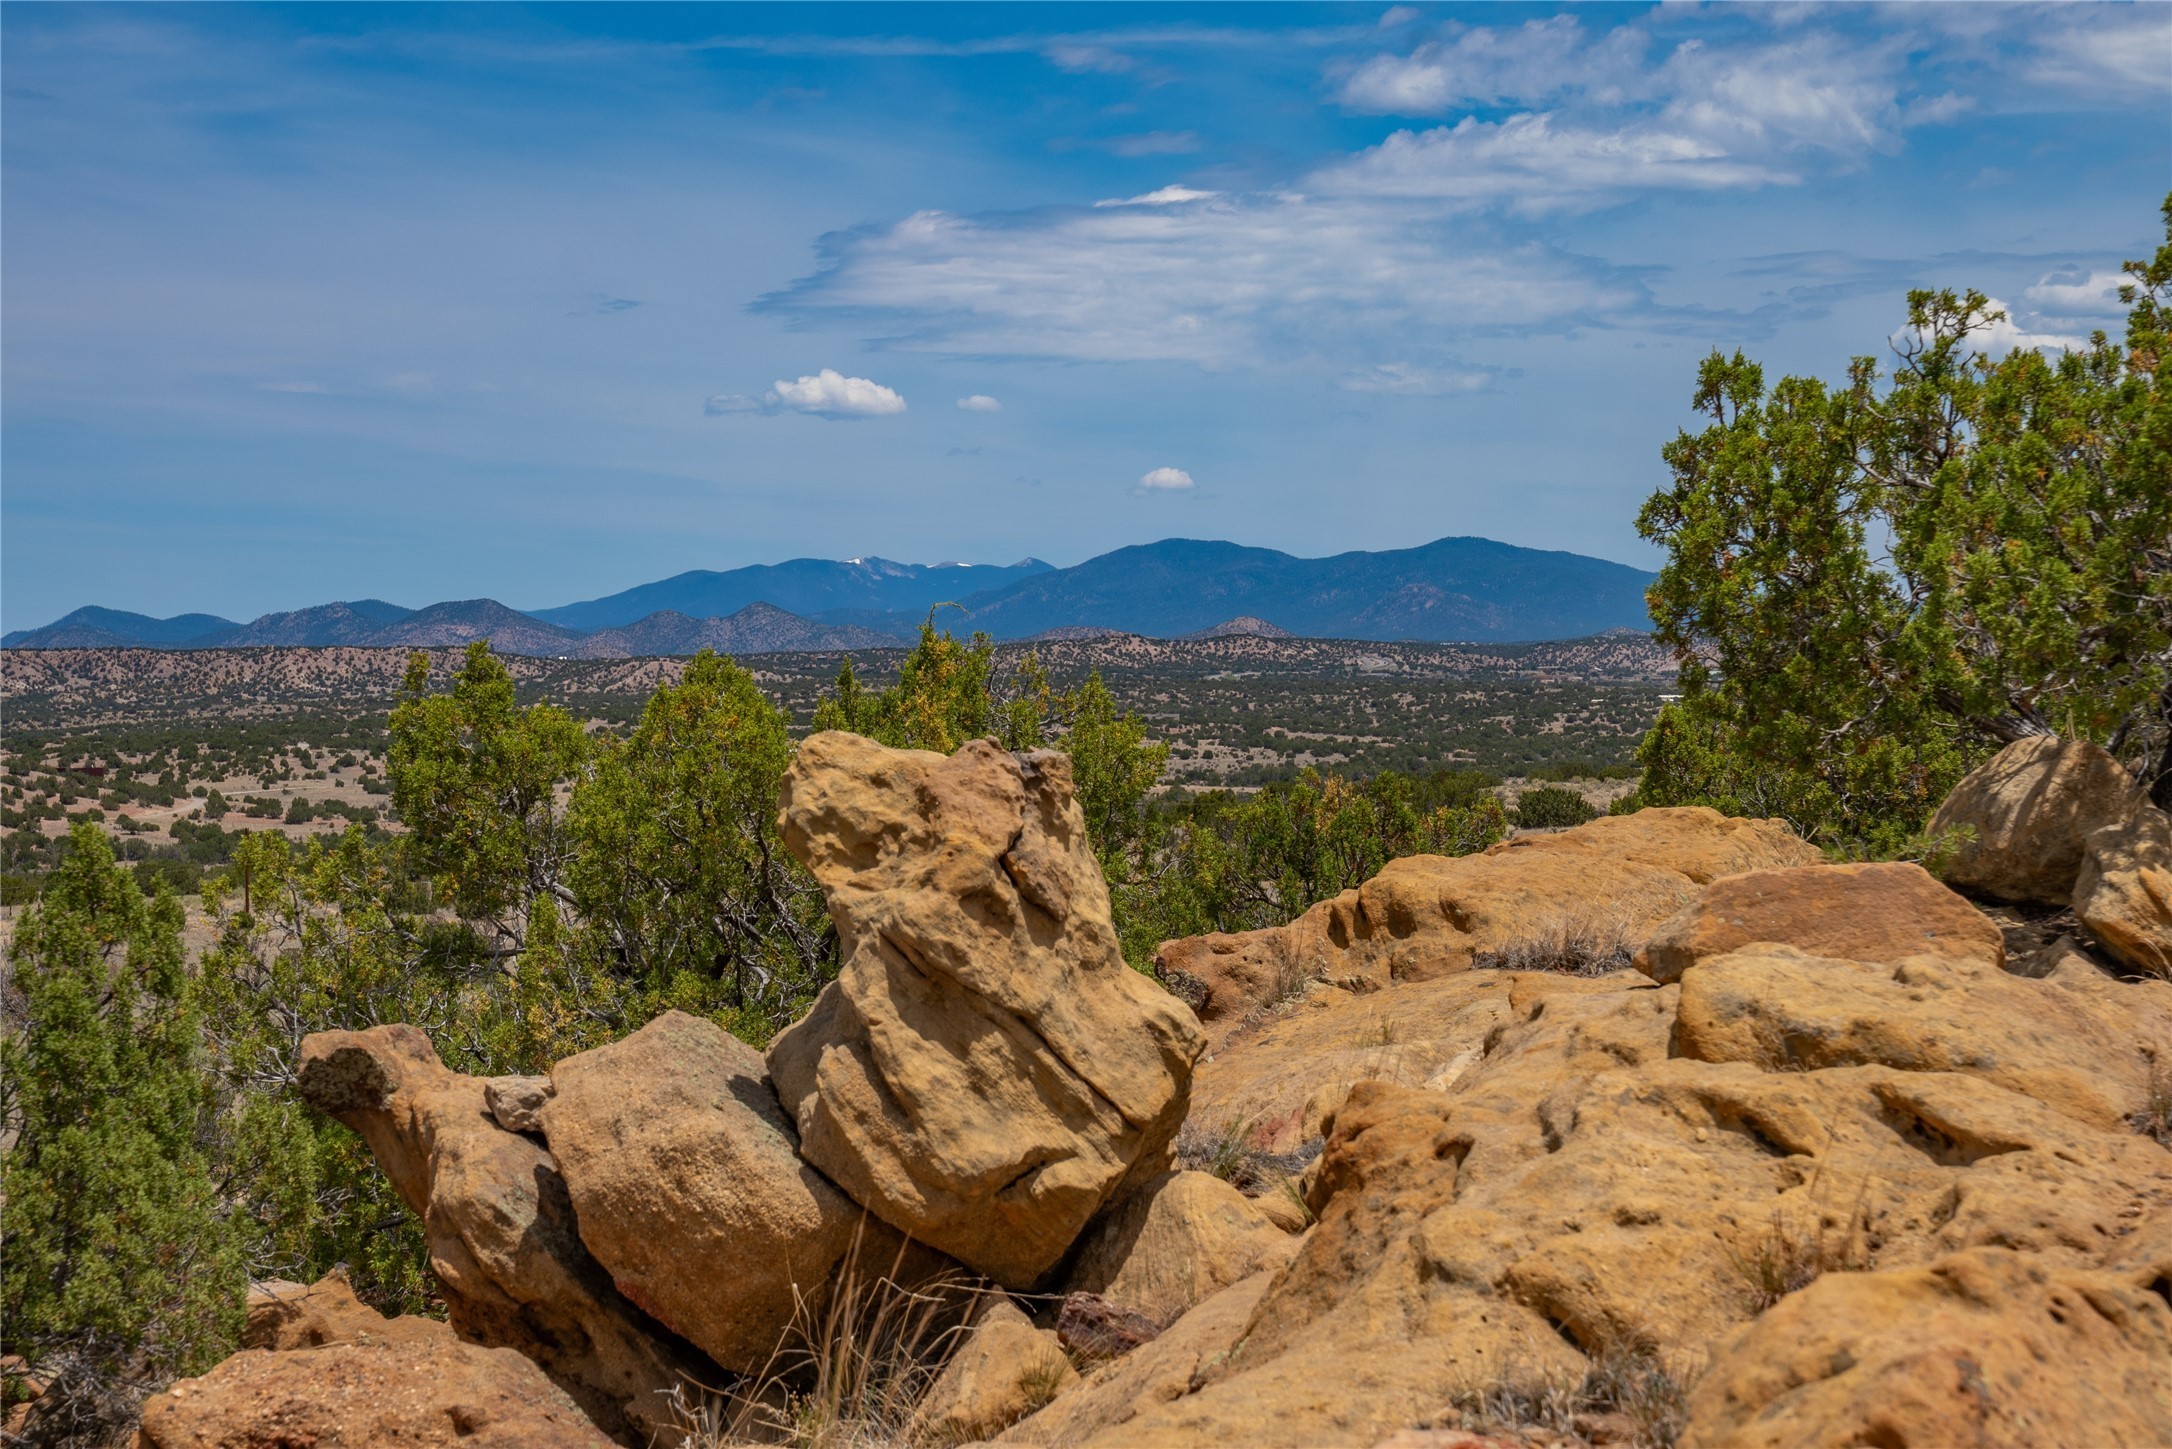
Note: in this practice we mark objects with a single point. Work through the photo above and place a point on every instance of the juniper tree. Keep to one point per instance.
(122, 1270)
(1870, 586)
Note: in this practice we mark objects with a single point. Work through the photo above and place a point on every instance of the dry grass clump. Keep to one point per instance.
(1628, 1396)
(849, 1373)
(1786, 1258)
(2154, 1118)
(1573, 948)
(1228, 1152)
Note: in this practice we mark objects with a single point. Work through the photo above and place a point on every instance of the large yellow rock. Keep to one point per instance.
(2124, 891)
(431, 1393)
(500, 1226)
(1986, 1346)
(689, 1189)
(986, 1072)
(1872, 912)
(1173, 1242)
(2027, 811)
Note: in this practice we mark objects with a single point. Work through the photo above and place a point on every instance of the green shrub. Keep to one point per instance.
(1551, 807)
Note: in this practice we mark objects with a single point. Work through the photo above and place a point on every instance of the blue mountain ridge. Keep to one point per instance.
(1463, 590)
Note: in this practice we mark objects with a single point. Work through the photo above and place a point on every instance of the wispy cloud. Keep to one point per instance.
(1407, 380)
(1222, 282)
(979, 402)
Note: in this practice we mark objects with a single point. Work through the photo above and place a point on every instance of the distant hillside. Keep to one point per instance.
(810, 586)
(508, 630)
(96, 628)
(1461, 589)
(324, 625)
(756, 629)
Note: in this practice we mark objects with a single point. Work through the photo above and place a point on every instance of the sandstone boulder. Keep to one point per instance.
(687, 1184)
(2124, 891)
(1005, 1369)
(2029, 808)
(986, 1072)
(517, 1102)
(1982, 1347)
(427, 1392)
(500, 1225)
(2074, 1041)
(1873, 912)
(1102, 1409)
(286, 1315)
(1593, 893)
(1175, 1241)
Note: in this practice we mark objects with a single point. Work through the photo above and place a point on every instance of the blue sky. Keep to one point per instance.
(425, 302)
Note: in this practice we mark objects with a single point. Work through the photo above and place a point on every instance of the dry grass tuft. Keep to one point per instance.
(2154, 1119)
(1786, 1258)
(1628, 1396)
(1228, 1153)
(849, 1373)
(1579, 948)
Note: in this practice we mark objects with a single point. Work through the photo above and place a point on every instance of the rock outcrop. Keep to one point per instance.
(985, 1072)
(1986, 1346)
(286, 1316)
(431, 1392)
(1632, 1164)
(1004, 1370)
(1877, 912)
(1175, 1241)
(1823, 1170)
(2027, 812)
(500, 1225)
(2123, 893)
(687, 1184)
(1601, 888)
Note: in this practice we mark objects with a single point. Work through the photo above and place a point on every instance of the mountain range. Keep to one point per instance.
(1465, 590)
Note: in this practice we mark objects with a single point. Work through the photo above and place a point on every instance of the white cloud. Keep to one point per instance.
(1528, 64)
(2125, 49)
(1406, 380)
(2076, 293)
(979, 402)
(1232, 281)
(1162, 480)
(1166, 196)
(830, 393)
(2002, 336)
(1396, 15)
(2005, 335)
(1533, 163)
